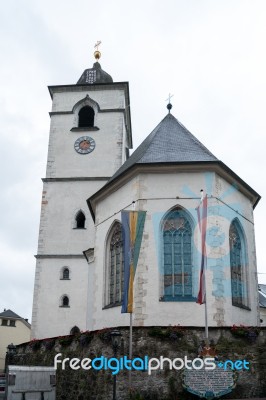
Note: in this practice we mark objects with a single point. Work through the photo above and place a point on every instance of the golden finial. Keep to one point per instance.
(97, 53)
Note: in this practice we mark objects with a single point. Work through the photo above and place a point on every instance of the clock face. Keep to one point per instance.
(84, 145)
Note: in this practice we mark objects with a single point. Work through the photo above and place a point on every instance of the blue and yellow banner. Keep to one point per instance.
(132, 229)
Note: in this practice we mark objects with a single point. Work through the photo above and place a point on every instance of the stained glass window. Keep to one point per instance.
(116, 265)
(177, 256)
(237, 263)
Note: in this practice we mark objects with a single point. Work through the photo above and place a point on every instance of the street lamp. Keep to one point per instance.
(11, 351)
(116, 342)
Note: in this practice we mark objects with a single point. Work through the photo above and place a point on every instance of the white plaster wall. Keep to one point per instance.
(60, 203)
(110, 98)
(160, 192)
(49, 318)
(106, 158)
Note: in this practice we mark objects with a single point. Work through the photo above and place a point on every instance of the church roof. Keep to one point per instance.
(169, 142)
(9, 314)
(94, 75)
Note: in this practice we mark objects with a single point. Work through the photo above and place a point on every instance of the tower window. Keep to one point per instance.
(65, 301)
(177, 256)
(80, 220)
(65, 273)
(86, 117)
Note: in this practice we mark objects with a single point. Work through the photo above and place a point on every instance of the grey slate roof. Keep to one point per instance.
(9, 314)
(169, 142)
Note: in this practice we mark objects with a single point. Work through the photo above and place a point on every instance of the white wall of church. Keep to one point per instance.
(159, 192)
(50, 318)
(63, 160)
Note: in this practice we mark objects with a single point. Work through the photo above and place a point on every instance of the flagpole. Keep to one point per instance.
(131, 330)
(205, 285)
(130, 349)
(206, 308)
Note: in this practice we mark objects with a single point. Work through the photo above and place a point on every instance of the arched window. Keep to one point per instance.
(86, 117)
(65, 273)
(65, 301)
(237, 264)
(80, 220)
(177, 256)
(115, 266)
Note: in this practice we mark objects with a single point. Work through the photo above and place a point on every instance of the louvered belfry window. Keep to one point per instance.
(116, 265)
(177, 256)
(237, 261)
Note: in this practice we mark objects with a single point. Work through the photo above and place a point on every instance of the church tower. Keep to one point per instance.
(90, 137)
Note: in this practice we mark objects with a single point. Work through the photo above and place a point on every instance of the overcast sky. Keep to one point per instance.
(209, 53)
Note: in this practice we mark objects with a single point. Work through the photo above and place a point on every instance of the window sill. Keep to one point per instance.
(84, 129)
(112, 305)
(64, 279)
(178, 299)
(64, 306)
(80, 228)
(241, 306)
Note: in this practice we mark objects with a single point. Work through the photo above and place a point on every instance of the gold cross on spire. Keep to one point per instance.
(97, 53)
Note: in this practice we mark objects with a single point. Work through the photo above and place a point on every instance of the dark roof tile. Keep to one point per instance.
(9, 314)
(169, 142)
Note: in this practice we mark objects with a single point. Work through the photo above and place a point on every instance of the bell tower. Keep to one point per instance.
(90, 138)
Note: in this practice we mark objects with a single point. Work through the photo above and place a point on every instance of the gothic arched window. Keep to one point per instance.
(80, 220)
(115, 266)
(237, 264)
(177, 256)
(86, 117)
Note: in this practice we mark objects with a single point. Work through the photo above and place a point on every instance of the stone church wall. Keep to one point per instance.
(173, 342)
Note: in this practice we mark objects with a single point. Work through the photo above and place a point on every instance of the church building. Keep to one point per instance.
(91, 178)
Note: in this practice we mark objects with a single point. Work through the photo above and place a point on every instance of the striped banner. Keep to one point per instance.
(202, 220)
(132, 230)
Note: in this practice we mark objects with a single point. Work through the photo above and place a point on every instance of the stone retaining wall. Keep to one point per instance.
(164, 384)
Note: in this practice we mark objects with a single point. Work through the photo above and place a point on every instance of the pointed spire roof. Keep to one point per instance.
(169, 142)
